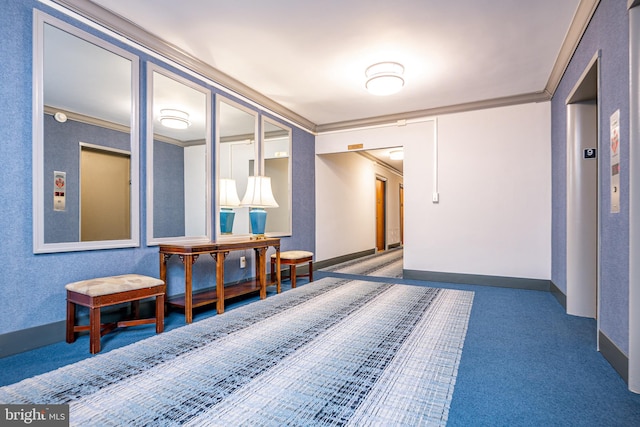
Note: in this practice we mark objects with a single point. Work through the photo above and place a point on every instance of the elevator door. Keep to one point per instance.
(104, 195)
(582, 209)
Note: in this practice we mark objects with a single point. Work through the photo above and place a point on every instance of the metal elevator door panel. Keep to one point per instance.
(582, 209)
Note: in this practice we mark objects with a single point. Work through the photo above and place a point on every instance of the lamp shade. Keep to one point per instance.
(258, 194)
(228, 193)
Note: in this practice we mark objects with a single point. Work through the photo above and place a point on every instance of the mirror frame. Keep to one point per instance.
(256, 165)
(263, 140)
(151, 240)
(39, 246)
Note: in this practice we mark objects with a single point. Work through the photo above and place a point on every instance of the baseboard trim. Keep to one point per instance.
(344, 258)
(479, 279)
(560, 296)
(39, 336)
(31, 338)
(614, 356)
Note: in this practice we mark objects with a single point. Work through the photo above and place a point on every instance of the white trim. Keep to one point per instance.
(634, 199)
(151, 240)
(104, 148)
(39, 246)
(256, 165)
(266, 119)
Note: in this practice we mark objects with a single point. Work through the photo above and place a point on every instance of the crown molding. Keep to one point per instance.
(137, 35)
(457, 108)
(94, 121)
(578, 26)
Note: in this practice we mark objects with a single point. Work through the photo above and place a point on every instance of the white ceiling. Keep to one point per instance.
(310, 57)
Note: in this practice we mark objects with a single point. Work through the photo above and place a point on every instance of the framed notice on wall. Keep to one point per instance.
(59, 190)
(614, 144)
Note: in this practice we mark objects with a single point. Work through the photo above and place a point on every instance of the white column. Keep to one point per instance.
(634, 195)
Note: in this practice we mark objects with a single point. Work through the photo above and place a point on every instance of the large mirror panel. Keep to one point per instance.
(178, 159)
(85, 146)
(276, 151)
(236, 130)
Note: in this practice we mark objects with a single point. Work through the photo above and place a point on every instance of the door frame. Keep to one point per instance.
(583, 92)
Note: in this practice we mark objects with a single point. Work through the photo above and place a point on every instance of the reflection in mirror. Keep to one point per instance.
(84, 138)
(277, 165)
(178, 144)
(236, 152)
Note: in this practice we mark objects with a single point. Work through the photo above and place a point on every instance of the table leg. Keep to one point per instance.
(278, 278)
(164, 258)
(261, 270)
(219, 257)
(163, 267)
(188, 261)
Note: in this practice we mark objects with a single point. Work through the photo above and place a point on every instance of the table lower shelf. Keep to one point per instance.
(208, 296)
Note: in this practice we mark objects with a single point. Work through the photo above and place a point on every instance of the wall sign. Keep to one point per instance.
(614, 139)
(59, 190)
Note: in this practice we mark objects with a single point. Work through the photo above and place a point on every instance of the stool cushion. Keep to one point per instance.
(294, 255)
(113, 284)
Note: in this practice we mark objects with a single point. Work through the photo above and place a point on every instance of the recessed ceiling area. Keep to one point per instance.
(311, 57)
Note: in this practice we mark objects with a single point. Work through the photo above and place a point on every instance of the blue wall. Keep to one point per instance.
(32, 286)
(608, 32)
(168, 175)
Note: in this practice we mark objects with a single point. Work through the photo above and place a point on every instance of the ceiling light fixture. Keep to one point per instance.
(384, 78)
(60, 117)
(396, 155)
(174, 119)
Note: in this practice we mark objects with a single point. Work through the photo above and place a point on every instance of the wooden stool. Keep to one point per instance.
(106, 291)
(293, 258)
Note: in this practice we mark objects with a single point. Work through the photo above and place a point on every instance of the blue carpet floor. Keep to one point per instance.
(524, 363)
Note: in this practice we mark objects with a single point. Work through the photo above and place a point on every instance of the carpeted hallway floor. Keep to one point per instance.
(524, 362)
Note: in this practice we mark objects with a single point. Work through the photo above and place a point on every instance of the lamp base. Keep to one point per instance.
(226, 220)
(258, 218)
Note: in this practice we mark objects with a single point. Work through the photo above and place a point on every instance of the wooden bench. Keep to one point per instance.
(292, 259)
(108, 291)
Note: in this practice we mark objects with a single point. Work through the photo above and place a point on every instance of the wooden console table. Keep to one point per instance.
(189, 254)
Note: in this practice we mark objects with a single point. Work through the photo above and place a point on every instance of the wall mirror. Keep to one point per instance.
(276, 152)
(236, 130)
(85, 143)
(178, 159)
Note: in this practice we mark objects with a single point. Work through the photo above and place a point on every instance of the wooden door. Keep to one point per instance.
(104, 195)
(380, 214)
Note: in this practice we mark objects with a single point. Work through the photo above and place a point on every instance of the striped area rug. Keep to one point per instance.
(383, 264)
(333, 352)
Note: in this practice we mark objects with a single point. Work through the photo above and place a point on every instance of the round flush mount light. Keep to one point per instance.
(174, 119)
(384, 78)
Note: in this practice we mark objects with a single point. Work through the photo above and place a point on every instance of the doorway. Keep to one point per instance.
(381, 209)
(582, 195)
(105, 194)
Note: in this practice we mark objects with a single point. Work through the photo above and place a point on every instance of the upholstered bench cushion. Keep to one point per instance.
(113, 284)
(292, 255)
